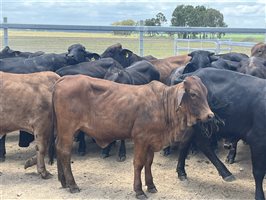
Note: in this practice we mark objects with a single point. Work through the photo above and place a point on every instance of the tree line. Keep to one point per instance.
(184, 16)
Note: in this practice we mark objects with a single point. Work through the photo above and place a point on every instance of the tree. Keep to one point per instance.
(199, 16)
(128, 22)
(158, 21)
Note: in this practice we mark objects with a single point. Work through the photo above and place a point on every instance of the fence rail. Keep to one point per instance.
(140, 29)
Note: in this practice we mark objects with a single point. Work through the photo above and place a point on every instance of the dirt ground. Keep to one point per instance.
(108, 179)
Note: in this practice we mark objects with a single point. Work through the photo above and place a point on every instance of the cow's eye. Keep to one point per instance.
(193, 95)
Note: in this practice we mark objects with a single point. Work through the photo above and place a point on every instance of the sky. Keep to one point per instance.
(237, 14)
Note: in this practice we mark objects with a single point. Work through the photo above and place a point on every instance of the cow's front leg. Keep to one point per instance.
(139, 161)
(148, 175)
(180, 169)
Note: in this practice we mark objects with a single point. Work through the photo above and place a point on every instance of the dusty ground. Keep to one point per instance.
(108, 179)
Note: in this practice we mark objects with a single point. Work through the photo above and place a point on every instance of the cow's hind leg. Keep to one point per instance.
(259, 169)
(41, 148)
(232, 152)
(63, 147)
(148, 175)
(3, 148)
(140, 154)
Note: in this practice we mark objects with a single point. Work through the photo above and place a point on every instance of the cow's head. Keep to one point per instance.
(192, 100)
(77, 53)
(7, 53)
(259, 50)
(124, 56)
(199, 59)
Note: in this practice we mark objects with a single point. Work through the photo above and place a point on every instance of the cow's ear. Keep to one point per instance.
(120, 73)
(93, 55)
(16, 53)
(189, 68)
(180, 95)
(127, 53)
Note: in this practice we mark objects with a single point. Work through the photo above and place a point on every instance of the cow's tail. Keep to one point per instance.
(51, 150)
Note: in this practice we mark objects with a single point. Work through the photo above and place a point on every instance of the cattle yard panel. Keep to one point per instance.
(56, 38)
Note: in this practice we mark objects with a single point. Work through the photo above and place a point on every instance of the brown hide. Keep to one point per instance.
(259, 50)
(166, 65)
(153, 115)
(26, 104)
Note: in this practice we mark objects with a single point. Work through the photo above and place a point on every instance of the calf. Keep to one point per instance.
(254, 66)
(25, 104)
(153, 115)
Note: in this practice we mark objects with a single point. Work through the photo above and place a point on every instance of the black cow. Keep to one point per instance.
(47, 62)
(124, 56)
(239, 100)
(141, 72)
(96, 68)
(9, 53)
(233, 56)
(200, 59)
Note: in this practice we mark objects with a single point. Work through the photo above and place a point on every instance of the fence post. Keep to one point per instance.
(141, 31)
(5, 32)
(175, 45)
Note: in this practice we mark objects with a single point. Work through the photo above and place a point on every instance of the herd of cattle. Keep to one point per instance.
(194, 98)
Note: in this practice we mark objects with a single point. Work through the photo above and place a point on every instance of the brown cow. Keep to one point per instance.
(153, 115)
(25, 104)
(259, 50)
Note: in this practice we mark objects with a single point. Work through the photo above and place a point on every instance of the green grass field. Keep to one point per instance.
(158, 46)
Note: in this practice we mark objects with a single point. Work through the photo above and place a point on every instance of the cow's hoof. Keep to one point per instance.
(74, 189)
(105, 155)
(152, 190)
(81, 153)
(229, 178)
(182, 177)
(46, 175)
(141, 196)
(29, 163)
(121, 158)
(230, 160)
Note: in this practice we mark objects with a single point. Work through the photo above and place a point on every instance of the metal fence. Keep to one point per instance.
(138, 30)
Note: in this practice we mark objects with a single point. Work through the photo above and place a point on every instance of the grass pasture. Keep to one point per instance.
(158, 46)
